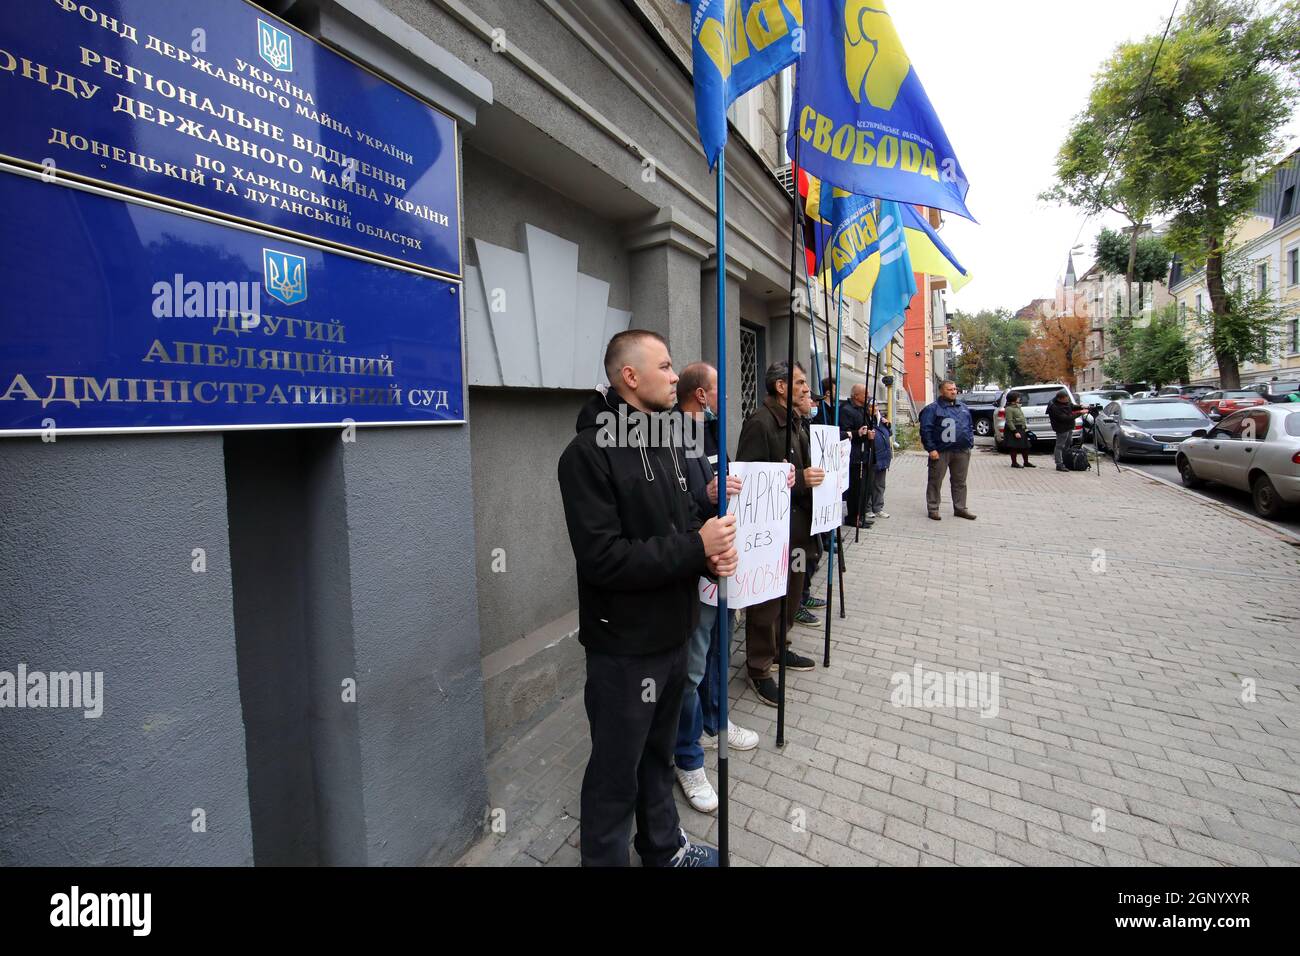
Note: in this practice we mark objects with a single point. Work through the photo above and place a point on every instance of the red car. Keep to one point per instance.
(1224, 402)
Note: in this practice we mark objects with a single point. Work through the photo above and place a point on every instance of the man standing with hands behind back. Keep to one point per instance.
(640, 550)
(947, 435)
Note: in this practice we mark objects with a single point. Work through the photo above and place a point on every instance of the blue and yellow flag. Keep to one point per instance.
(896, 284)
(846, 231)
(737, 45)
(928, 252)
(862, 116)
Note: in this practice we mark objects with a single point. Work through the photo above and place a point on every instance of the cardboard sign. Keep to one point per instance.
(762, 511)
(828, 455)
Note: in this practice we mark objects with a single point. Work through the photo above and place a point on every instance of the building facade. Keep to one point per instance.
(1265, 252)
(428, 567)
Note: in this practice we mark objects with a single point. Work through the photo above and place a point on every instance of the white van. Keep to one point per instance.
(1034, 400)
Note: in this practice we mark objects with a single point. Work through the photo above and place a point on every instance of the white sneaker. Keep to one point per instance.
(699, 792)
(738, 738)
(882, 514)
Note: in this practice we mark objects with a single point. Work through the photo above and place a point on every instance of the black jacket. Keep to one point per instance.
(1062, 415)
(634, 532)
(700, 470)
(851, 419)
(762, 438)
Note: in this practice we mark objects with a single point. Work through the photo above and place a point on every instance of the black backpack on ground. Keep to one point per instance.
(1076, 459)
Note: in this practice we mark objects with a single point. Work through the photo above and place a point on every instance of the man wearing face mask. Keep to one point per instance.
(697, 399)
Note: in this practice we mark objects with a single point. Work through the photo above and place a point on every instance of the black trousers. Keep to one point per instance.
(634, 704)
(854, 496)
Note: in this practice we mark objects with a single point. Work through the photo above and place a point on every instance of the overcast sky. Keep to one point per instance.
(1006, 77)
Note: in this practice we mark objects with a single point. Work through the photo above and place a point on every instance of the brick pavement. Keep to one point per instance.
(1121, 617)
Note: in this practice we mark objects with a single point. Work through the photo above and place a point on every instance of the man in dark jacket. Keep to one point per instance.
(881, 435)
(824, 413)
(853, 425)
(948, 435)
(1062, 412)
(763, 438)
(640, 550)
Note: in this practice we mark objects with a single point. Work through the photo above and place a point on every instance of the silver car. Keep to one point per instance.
(1256, 450)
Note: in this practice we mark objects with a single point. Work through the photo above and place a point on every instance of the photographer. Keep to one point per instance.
(1061, 412)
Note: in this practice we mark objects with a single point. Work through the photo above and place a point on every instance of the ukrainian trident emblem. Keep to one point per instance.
(285, 276)
(275, 46)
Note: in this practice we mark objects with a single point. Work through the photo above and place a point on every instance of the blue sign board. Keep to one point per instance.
(220, 106)
(118, 315)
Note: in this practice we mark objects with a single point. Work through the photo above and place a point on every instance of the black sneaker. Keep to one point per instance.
(794, 662)
(814, 602)
(765, 690)
(807, 618)
(1061, 468)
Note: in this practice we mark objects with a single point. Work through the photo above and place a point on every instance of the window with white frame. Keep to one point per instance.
(1293, 265)
(1261, 277)
(1293, 336)
(745, 114)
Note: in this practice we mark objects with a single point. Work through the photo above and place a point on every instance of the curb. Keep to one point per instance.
(1286, 534)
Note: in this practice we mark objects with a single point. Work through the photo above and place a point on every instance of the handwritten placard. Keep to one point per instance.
(845, 468)
(762, 511)
(828, 455)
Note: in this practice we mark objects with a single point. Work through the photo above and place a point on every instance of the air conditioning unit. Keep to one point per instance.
(785, 175)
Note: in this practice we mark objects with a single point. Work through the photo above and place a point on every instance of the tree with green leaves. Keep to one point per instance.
(1157, 352)
(1182, 134)
(989, 343)
(1146, 260)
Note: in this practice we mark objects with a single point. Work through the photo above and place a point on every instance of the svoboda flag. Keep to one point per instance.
(851, 254)
(737, 44)
(865, 121)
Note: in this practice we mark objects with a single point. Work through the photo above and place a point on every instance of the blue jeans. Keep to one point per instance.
(700, 700)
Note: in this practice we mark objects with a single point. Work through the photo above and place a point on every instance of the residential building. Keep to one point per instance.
(1265, 252)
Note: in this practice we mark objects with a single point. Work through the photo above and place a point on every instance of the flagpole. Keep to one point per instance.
(722, 660)
(782, 627)
(830, 558)
(865, 462)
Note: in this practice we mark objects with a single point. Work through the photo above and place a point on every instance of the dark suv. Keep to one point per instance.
(982, 405)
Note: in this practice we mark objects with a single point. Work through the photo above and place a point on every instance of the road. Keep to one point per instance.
(1231, 497)
(1238, 500)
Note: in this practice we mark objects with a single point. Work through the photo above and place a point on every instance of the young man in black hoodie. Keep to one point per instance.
(640, 551)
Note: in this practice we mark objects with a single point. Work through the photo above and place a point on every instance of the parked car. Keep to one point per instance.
(1186, 392)
(1099, 397)
(1144, 394)
(1275, 391)
(1034, 399)
(1222, 402)
(983, 405)
(1148, 427)
(1255, 450)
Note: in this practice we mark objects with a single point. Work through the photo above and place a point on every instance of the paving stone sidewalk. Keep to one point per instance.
(1127, 623)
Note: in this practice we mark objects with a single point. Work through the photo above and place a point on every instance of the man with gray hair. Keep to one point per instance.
(763, 438)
